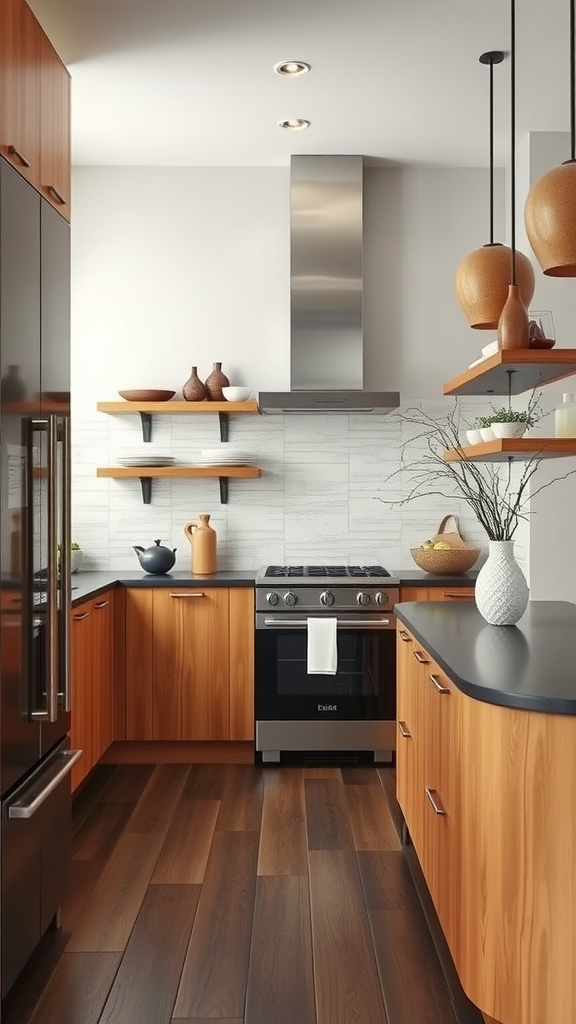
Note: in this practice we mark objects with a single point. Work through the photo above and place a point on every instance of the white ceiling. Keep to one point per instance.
(188, 82)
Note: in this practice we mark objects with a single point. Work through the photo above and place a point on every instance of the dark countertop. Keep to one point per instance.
(531, 666)
(418, 578)
(89, 584)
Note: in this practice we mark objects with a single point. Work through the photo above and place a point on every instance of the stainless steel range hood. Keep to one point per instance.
(326, 355)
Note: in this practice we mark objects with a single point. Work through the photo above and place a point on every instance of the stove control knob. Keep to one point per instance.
(290, 599)
(272, 598)
(327, 598)
(362, 598)
(381, 598)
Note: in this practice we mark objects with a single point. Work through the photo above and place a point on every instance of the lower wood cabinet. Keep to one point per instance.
(92, 681)
(189, 663)
(436, 593)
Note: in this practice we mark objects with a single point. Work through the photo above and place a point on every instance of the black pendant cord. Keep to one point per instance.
(491, 152)
(572, 83)
(513, 138)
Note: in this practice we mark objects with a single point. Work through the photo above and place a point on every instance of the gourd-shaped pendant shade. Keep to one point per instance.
(550, 219)
(483, 280)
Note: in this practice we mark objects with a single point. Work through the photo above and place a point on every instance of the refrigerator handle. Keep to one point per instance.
(52, 582)
(65, 567)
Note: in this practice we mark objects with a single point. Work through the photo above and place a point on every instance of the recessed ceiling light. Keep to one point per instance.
(294, 124)
(291, 68)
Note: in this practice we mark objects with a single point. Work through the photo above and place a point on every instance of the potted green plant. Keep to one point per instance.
(484, 425)
(507, 422)
(75, 556)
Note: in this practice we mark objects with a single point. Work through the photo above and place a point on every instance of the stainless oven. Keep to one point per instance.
(352, 710)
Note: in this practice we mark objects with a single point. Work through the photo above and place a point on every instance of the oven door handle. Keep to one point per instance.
(299, 623)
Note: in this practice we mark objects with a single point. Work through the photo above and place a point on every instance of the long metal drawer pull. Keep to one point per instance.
(20, 156)
(420, 658)
(187, 595)
(102, 604)
(82, 615)
(57, 195)
(404, 731)
(454, 595)
(22, 809)
(298, 623)
(433, 798)
(437, 684)
(404, 636)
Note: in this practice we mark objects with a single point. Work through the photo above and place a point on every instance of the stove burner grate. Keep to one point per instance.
(336, 571)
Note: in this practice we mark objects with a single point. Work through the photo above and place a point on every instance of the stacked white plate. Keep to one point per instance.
(145, 460)
(226, 455)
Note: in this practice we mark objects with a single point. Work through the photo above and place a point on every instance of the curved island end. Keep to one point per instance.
(486, 779)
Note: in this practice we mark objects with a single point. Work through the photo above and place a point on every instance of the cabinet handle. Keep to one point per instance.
(19, 156)
(404, 636)
(187, 595)
(433, 798)
(457, 595)
(437, 684)
(83, 615)
(102, 604)
(420, 658)
(57, 195)
(404, 730)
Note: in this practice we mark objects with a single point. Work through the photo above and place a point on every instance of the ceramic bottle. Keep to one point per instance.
(215, 382)
(203, 540)
(194, 390)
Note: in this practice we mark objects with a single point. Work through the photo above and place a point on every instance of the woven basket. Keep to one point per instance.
(446, 562)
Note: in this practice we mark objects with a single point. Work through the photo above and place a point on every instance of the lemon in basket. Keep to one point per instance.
(441, 545)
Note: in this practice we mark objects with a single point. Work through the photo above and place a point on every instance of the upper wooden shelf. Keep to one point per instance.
(514, 371)
(515, 448)
(169, 408)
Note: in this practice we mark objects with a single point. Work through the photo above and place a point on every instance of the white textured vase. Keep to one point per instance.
(501, 590)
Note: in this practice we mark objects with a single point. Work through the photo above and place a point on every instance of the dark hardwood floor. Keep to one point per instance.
(237, 894)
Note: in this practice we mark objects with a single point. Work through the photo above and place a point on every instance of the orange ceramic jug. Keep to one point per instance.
(203, 540)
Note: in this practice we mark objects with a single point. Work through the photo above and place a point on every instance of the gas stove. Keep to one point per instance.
(326, 588)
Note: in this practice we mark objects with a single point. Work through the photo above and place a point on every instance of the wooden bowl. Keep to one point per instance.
(147, 395)
(445, 561)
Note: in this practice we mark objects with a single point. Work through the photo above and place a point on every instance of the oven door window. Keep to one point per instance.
(362, 688)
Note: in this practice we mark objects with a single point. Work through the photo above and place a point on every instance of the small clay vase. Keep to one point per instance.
(513, 323)
(194, 390)
(215, 382)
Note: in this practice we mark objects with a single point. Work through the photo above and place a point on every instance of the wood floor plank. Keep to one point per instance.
(77, 990)
(360, 776)
(205, 782)
(206, 1020)
(155, 808)
(184, 855)
(386, 880)
(280, 984)
(115, 900)
(128, 783)
(388, 779)
(241, 806)
(327, 816)
(214, 977)
(370, 817)
(145, 986)
(84, 876)
(321, 772)
(283, 841)
(98, 835)
(345, 974)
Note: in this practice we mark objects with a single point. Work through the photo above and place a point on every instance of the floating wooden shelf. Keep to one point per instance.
(515, 448)
(147, 410)
(514, 371)
(147, 473)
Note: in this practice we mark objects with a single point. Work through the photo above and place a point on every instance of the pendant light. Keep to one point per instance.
(550, 211)
(513, 322)
(483, 277)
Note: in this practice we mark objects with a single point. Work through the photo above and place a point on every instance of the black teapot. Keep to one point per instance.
(157, 559)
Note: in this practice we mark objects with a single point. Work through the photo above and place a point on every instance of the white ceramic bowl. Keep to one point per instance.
(509, 429)
(474, 436)
(236, 394)
(487, 434)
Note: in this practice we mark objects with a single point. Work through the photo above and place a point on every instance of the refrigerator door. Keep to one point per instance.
(20, 639)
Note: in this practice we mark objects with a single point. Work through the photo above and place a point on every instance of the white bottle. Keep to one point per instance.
(565, 417)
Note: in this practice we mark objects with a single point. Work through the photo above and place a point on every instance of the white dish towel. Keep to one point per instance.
(322, 647)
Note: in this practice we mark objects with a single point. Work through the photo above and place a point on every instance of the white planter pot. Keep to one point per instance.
(501, 590)
(509, 429)
(487, 434)
(473, 436)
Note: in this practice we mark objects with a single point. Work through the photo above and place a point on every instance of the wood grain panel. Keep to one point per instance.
(283, 842)
(19, 87)
(205, 782)
(128, 784)
(145, 987)
(372, 824)
(115, 901)
(180, 752)
(82, 686)
(388, 779)
(77, 990)
(55, 170)
(96, 839)
(386, 880)
(321, 772)
(241, 663)
(154, 810)
(360, 776)
(241, 807)
(139, 665)
(327, 818)
(345, 975)
(280, 985)
(184, 856)
(120, 663)
(414, 593)
(84, 875)
(214, 977)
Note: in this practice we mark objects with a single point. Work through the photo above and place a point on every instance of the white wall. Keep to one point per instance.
(181, 266)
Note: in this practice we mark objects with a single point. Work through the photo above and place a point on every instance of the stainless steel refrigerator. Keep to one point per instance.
(35, 759)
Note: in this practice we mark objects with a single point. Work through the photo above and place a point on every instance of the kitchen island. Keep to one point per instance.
(486, 779)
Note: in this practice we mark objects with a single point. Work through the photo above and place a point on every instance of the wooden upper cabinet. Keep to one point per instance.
(20, 88)
(34, 105)
(55, 172)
